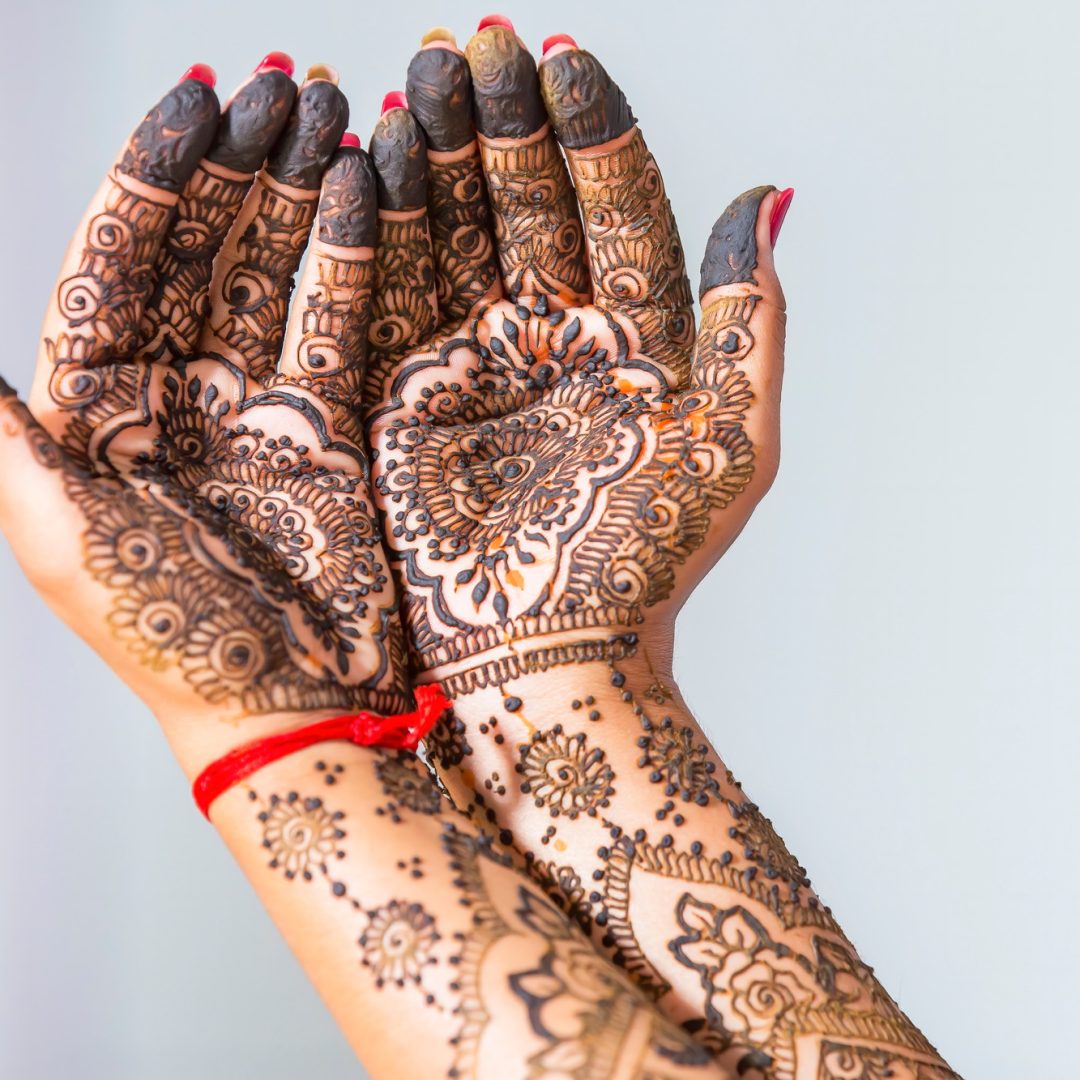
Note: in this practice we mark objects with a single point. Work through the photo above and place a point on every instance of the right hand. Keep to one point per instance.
(187, 489)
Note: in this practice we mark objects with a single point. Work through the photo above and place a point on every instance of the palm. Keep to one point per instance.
(549, 461)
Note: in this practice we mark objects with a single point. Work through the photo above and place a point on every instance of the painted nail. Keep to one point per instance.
(495, 20)
(439, 33)
(779, 212)
(394, 100)
(277, 61)
(322, 71)
(557, 39)
(204, 73)
(350, 139)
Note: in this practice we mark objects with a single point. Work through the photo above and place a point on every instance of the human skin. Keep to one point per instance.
(558, 460)
(189, 495)
(535, 386)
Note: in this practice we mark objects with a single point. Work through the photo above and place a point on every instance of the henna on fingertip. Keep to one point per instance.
(506, 91)
(584, 103)
(312, 134)
(348, 206)
(253, 120)
(731, 252)
(438, 87)
(399, 151)
(173, 137)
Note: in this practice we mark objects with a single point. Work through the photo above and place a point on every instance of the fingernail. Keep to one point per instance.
(204, 73)
(495, 20)
(277, 61)
(779, 212)
(350, 139)
(322, 71)
(394, 100)
(556, 39)
(439, 33)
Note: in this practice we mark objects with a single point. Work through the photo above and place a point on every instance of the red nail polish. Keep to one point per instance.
(779, 212)
(495, 20)
(277, 61)
(557, 39)
(350, 139)
(394, 100)
(204, 73)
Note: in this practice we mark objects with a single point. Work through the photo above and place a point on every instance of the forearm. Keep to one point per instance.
(407, 921)
(599, 773)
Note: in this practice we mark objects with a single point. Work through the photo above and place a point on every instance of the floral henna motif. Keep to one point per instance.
(562, 773)
(397, 943)
(535, 476)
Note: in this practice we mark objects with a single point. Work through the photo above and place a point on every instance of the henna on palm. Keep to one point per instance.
(552, 473)
(229, 539)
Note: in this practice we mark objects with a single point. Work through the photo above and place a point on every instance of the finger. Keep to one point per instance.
(739, 359)
(253, 274)
(405, 309)
(95, 312)
(326, 341)
(250, 124)
(635, 255)
(537, 228)
(439, 92)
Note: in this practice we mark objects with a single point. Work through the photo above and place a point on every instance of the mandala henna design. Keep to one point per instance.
(562, 773)
(397, 943)
(541, 489)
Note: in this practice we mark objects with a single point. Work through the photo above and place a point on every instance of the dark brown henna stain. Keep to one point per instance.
(731, 253)
(312, 134)
(439, 90)
(348, 209)
(173, 137)
(399, 151)
(252, 121)
(506, 92)
(585, 105)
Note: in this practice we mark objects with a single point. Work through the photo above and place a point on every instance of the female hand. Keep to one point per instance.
(556, 454)
(187, 489)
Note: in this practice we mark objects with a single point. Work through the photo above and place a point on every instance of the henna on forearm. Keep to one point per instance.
(424, 923)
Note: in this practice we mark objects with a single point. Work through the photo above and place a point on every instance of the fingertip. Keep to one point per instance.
(312, 133)
(438, 89)
(506, 94)
(584, 103)
(348, 206)
(399, 152)
(732, 251)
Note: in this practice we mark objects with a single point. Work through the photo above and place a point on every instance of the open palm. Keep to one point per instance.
(553, 440)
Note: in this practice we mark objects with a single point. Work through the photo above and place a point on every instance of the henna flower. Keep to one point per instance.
(398, 942)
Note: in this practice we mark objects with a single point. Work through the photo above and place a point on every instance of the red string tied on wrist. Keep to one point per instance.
(402, 731)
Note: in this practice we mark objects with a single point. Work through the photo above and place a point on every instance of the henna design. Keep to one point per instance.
(408, 784)
(585, 1011)
(466, 270)
(301, 835)
(506, 92)
(438, 87)
(167, 145)
(252, 122)
(562, 773)
(731, 253)
(584, 103)
(537, 228)
(676, 759)
(397, 943)
(312, 133)
(572, 511)
(636, 257)
(399, 151)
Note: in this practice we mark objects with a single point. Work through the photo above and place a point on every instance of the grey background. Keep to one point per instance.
(886, 657)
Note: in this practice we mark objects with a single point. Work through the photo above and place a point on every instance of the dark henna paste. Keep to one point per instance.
(439, 89)
(252, 122)
(506, 92)
(400, 154)
(173, 137)
(731, 253)
(347, 210)
(311, 135)
(585, 106)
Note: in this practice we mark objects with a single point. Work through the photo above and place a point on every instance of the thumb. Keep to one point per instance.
(743, 318)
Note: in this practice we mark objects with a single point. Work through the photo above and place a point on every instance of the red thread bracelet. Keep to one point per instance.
(402, 731)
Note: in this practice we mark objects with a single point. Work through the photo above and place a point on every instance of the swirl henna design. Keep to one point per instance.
(230, 543)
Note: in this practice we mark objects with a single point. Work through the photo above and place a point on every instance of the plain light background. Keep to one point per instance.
(886, 657)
